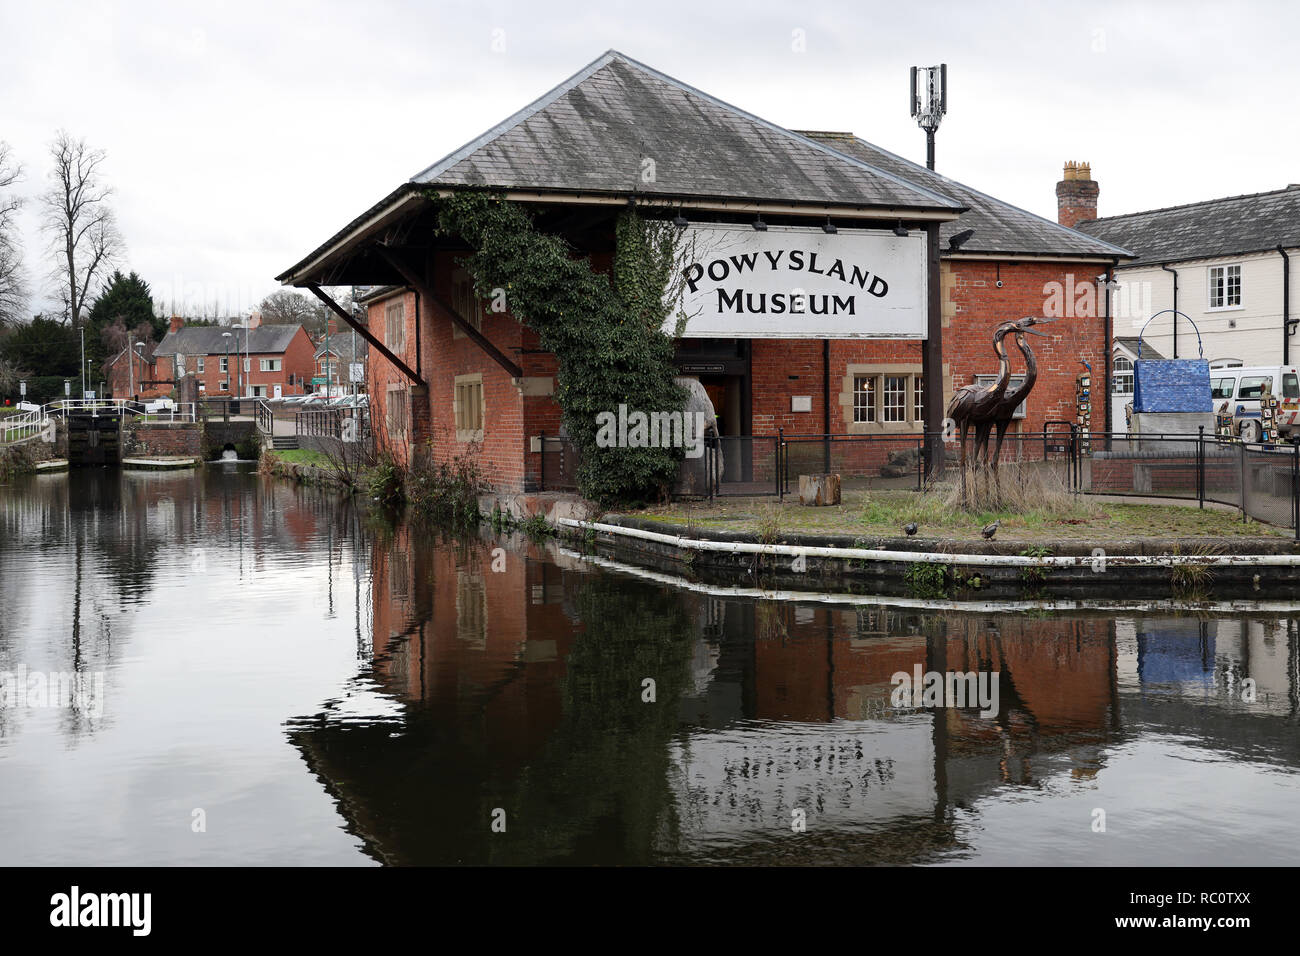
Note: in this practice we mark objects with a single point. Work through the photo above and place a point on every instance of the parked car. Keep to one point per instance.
(1238, 391)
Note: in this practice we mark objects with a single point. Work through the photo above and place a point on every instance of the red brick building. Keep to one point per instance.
(130, 374)
(453, 377)
(265, 361)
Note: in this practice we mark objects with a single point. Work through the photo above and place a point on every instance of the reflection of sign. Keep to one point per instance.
(800, 282)
(356, 372)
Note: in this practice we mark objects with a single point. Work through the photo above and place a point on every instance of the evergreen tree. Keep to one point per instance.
(127, 302)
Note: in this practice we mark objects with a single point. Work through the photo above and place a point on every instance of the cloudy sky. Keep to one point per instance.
(241, 135)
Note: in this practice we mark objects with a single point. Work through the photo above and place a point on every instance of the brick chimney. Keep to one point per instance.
(1076, 195)
(176, 323)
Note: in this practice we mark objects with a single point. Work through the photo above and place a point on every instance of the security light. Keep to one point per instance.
(758, 224)
(900, 230)
(960, 238)
(829, 227)
(680, 221)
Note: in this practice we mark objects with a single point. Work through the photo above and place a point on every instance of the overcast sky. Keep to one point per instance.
(242, 135)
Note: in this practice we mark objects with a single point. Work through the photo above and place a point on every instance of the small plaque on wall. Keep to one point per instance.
(801, 403)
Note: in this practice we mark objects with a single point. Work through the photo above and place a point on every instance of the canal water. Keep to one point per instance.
(217, 668)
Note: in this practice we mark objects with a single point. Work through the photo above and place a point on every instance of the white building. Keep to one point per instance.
(1230, 265)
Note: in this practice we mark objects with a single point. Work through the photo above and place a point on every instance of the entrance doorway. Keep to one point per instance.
(723, 368)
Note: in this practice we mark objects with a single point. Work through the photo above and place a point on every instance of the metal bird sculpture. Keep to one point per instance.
(991, 530)
(910, 528)
(1005, 410)
(974, 405)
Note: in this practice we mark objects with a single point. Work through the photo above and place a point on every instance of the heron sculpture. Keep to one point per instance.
(976, 404)
(1005, 410)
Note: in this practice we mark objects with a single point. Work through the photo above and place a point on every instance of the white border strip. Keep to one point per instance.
(940, 557)
(932, 604)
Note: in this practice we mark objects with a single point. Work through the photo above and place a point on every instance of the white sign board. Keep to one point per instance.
(801, 282)
(356, 372)
(279, 390)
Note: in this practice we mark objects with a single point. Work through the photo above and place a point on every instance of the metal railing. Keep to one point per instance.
(23, 426)
(16, 429)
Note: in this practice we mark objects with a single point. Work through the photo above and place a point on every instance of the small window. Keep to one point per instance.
(395, 326)
(1016, 382)
(864, 398)
(199, 366)
(1222, 387)
(269, 365)
(225, 365)
(395, 402)
(1122, 376)
(1225, 287)
(918, 400)
(1252, 386)
(1290, 385)
(468, 406)
(895, 395)
(466, 303)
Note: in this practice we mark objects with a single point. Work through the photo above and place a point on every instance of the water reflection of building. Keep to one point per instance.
(522, 692)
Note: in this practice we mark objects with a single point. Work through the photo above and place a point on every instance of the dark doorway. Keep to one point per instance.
(723, 368)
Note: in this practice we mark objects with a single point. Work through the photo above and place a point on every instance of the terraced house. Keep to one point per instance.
(834, 281)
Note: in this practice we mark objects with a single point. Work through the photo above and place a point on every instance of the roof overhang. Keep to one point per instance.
(410, 197)
(1030, 256)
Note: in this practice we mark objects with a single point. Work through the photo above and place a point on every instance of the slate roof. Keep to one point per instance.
(592, 132)
(999, 226)
(341, 347)
(1131, 343)
(208, 340)
(1206, 230)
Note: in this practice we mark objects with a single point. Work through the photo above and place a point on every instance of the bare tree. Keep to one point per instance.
(287, 307)
(13, 291)
(79, 221)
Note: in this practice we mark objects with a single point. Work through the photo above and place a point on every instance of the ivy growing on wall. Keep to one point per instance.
(606, 330)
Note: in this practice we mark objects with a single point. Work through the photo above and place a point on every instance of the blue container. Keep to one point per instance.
(1171, 385)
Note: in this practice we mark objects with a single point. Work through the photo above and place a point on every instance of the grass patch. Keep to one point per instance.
(302, 456)
(878, 514)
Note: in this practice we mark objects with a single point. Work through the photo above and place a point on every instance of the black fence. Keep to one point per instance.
(1262, 480)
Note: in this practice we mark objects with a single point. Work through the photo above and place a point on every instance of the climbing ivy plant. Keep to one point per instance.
(605, 329)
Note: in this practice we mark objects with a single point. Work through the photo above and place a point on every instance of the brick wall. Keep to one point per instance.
(973, 305)
(162, 440)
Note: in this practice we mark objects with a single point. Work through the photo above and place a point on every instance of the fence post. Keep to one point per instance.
(1295, 488)
(1243, 482)
(1200, 467)
(541, 478)
(920, 463)
(780, 472)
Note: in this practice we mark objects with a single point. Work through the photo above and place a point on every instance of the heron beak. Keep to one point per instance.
(1034, 332)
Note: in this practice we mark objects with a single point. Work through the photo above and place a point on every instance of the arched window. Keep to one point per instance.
(1122, 375)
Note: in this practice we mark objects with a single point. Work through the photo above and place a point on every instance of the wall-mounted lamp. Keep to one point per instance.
(758, 223)
(960, 238)
(829, 227)
(900, 230)
(680, 221)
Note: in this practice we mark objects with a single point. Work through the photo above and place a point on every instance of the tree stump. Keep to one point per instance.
(819, 490)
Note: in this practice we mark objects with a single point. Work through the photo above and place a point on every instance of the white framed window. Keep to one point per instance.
(223, 386)
(395, 326)
(1016, 382)
(889, 397)
(269, 364)
(1122, 376)
(895, 398)
(864, 398)
(469, 407)
(1224, 284)
(225, 365)
(199, 364)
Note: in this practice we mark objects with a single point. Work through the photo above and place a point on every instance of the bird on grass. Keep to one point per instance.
(991, 530)
(910, 528)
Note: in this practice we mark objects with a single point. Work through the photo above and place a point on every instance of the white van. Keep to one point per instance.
(1238, 391)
